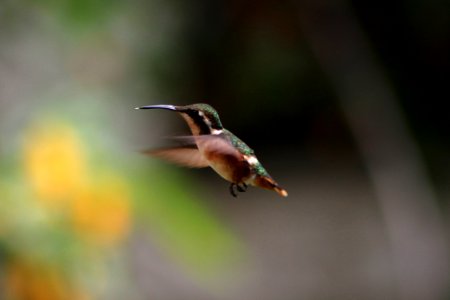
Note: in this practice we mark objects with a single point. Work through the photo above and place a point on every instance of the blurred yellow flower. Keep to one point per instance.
(32, 282)
(96, 203)
(101, 212)
(78, 207)
(54, 162)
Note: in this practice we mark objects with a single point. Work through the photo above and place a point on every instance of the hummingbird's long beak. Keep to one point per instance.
(160, 106)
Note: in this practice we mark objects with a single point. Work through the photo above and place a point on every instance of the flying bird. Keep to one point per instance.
(213, 146)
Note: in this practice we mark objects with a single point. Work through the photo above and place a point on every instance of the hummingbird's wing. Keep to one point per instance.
(214, 143)
(184, 156)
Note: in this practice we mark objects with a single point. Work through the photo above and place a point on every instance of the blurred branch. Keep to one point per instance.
(414, 225)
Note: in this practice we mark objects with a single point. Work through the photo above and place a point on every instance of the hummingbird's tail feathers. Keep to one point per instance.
(268, 183)
(183, 156)
(159, 106)
(280, 191)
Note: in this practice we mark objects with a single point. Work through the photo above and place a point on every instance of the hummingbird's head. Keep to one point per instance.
(201, 118)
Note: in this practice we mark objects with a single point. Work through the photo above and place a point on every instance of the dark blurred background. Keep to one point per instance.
(343, 102)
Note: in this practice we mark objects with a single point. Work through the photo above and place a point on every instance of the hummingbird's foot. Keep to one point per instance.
(241, 188)
(232, 191)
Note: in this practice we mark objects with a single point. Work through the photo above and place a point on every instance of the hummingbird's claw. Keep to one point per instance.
(242, 188)
(232, 191)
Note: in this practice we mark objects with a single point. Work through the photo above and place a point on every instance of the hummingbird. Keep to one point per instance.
(211, 145)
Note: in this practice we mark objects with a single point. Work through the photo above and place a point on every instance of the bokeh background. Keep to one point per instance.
(343, 101)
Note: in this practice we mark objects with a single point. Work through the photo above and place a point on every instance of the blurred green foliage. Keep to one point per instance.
(80, 14)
